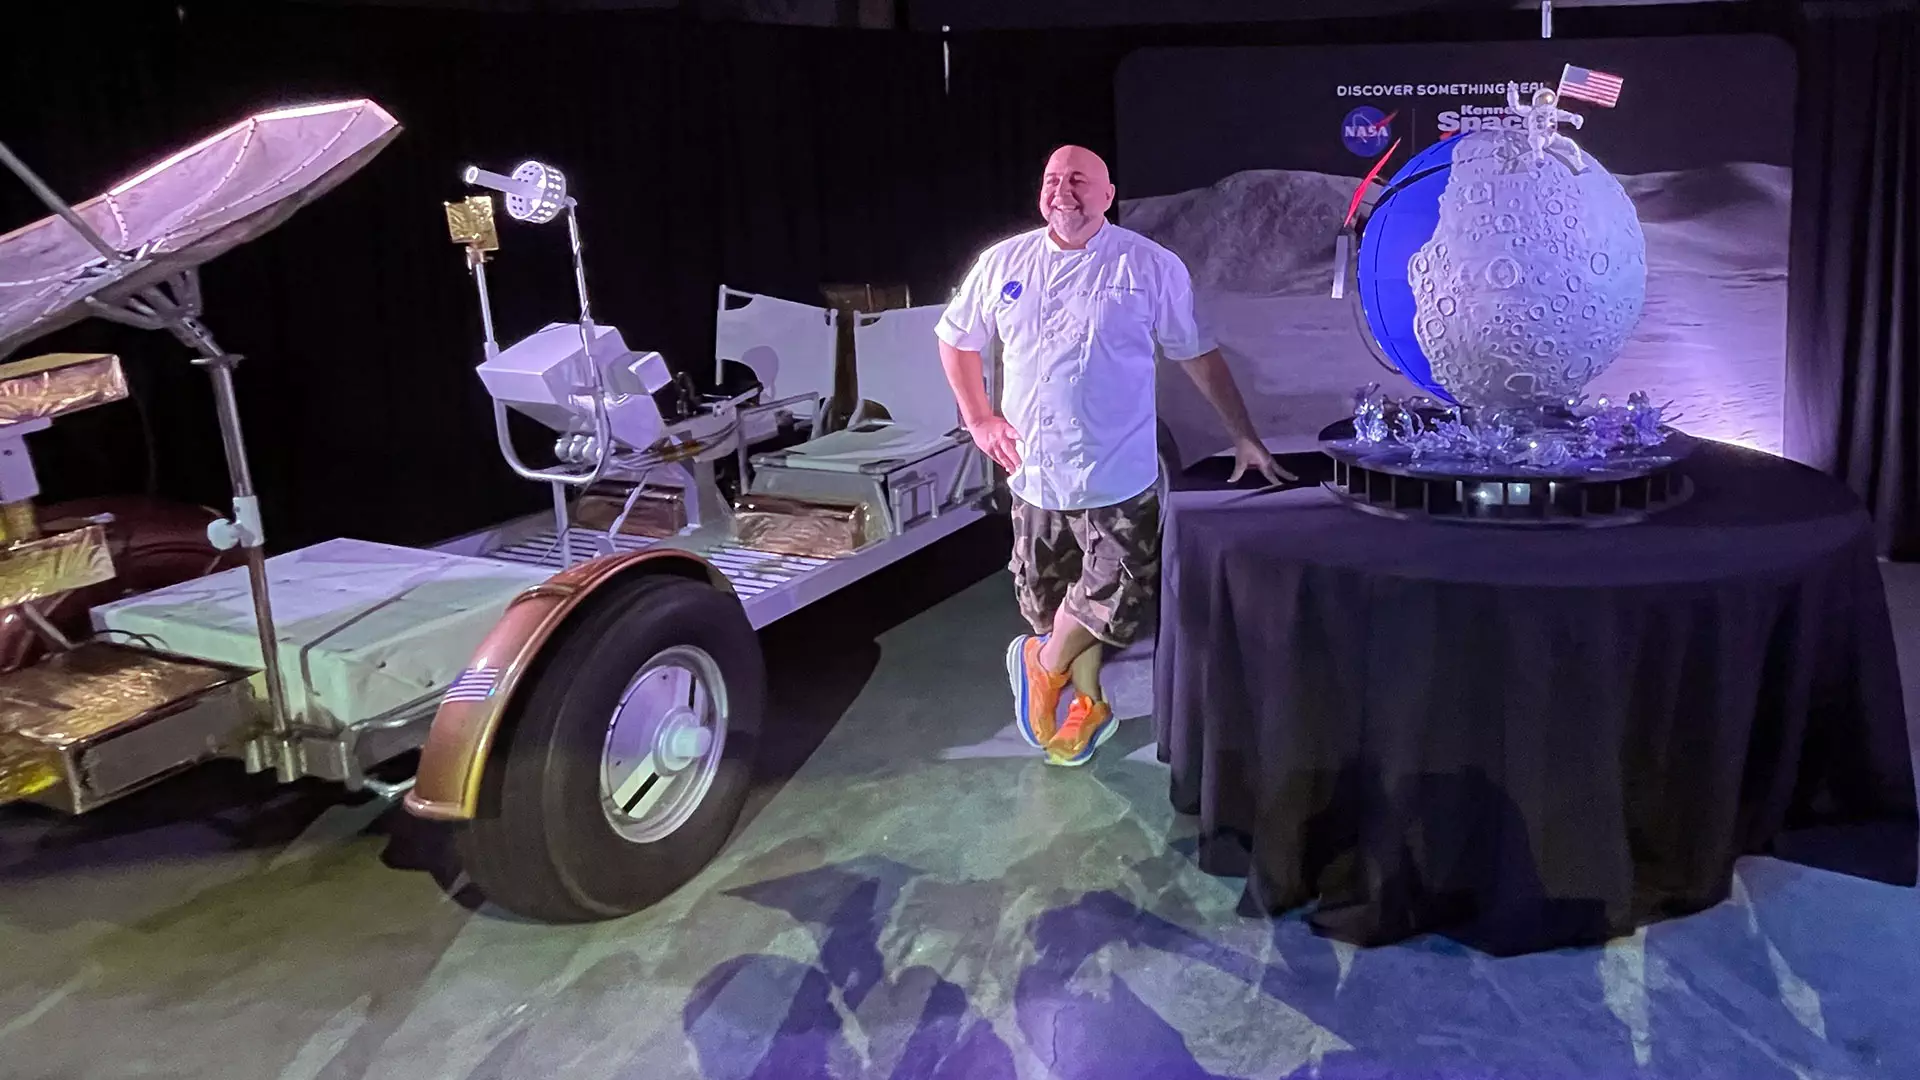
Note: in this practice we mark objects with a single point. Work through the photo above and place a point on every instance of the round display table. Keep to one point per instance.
(1527, 738)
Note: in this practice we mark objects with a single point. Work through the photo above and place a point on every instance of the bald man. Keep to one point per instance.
(1081, 307)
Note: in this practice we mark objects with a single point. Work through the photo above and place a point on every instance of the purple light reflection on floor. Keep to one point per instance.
(847, 908)
(1085, 1036)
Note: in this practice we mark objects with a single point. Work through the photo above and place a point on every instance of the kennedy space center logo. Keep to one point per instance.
(1465, 119)
(1366, 130)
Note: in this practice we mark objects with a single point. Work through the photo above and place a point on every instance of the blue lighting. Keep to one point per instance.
(1402, 221)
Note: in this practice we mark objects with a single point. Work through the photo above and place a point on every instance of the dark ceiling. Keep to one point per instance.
(972, 15)
(1034, 14)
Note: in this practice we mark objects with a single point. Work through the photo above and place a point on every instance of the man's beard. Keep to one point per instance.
(1068, 222)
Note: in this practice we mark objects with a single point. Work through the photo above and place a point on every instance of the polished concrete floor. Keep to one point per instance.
(912, 896)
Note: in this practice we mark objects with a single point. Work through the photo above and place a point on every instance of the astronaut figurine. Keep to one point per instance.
(1542, 121)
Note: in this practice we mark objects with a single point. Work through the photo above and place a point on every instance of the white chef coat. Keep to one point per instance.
(1078, 330)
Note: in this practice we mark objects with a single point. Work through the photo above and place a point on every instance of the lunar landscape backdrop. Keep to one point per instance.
(1260, 246)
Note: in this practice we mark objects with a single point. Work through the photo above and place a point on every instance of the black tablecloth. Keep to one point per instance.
(1525, 739)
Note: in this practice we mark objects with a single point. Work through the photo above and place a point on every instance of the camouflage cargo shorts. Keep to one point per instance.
(1102, 563)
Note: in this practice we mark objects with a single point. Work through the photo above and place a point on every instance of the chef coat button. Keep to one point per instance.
(1075, 380)
(1049, 378)
(1076, 423)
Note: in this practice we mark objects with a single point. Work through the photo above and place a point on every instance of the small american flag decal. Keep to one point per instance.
(474, 684)
(1596, 86)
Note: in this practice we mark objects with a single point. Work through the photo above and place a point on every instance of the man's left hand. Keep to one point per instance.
(1249, 454)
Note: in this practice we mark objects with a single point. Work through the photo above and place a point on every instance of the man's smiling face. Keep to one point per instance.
(1075, 194)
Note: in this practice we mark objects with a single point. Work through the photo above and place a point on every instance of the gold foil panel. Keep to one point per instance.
(27, 770)
(471, 223)
(51, 708)
(60, 563)
(44, 387)
(18, 522)
(813, 528)
(655, 513)
(73, 697)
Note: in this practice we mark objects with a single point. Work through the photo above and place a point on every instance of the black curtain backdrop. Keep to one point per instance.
(1853, 350)
(773, 159)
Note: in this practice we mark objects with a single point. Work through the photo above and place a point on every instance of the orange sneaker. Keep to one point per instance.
(1036, 691)
(1089, 723)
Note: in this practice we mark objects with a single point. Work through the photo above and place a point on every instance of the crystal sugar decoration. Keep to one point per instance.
(1568, 438)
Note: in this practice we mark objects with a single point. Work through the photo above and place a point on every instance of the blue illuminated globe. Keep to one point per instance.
(1401, 221)
(1492, 275)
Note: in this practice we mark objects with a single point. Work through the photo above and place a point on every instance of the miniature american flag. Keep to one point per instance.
(474, 685)
(1595, 86)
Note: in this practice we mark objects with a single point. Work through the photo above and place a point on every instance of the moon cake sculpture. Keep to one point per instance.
(1501, 273)
(1535, 276)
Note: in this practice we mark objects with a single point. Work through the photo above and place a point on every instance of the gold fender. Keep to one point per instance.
(447, 786)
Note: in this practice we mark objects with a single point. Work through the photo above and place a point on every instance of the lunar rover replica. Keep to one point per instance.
(585, 687)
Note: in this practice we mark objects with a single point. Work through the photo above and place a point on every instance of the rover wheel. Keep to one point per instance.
(626, 758)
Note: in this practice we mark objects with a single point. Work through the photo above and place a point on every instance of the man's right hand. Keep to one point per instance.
(997, 439)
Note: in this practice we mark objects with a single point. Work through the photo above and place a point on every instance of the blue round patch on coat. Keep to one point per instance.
(1010, 292)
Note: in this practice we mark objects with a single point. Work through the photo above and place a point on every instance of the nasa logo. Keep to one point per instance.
(1366, 130)
(1010, 292)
